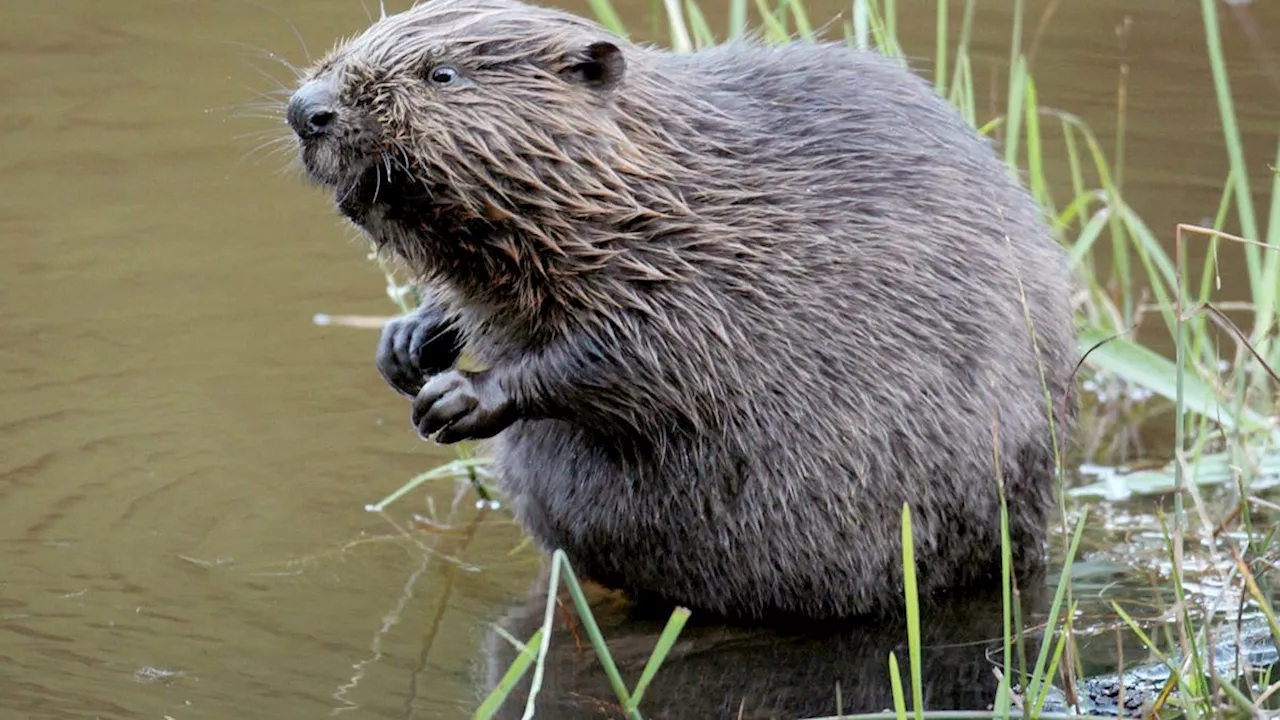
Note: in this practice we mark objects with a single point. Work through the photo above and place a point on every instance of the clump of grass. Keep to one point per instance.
(529, 656)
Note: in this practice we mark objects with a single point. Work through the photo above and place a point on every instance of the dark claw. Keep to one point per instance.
(417, 344)
(461, 406)
(435, 348)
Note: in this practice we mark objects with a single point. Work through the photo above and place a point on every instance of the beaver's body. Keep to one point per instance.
(737, 306)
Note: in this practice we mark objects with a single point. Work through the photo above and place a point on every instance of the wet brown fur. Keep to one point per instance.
(748, 301)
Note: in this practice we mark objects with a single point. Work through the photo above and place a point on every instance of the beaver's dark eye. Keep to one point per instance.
(443, 75)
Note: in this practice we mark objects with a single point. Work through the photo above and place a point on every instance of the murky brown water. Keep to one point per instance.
(185, 457)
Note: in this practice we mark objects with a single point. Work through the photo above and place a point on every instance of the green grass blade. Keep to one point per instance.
(1015, 46)
(1119, 239)
(1073, 163)
(1001, 708)
(961, 93)
(940, 42)
(548, 620)
(803, 28)
(702, 35)
(966, 29)
(891, 23)
(895, 682)
(1013, 119)
(1006, 588)
(737, 19)
(1203, 349)
(456, 468)
(1192, 648)
(967, 715)
(1243, 703)
(1231, 133)
(1266, 296)
(1035, 158)
(913, 611)
(1162, 275)
(962, 83)
(1038, 689)
(605, 13)
(1156, 373)
(884, 37)
(1089, 235)
(518, 668)
(675, 624)
(680, 41)
(773, 28)
(861, 25)
(593, 632)
(1059, 648)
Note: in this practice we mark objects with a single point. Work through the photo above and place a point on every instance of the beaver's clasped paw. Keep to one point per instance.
(462, 406)
(416, 345)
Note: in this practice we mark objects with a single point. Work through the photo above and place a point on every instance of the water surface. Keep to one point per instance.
(185, 458)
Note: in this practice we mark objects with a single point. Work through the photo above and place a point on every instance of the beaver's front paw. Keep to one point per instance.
(417, 345)
(461, 406)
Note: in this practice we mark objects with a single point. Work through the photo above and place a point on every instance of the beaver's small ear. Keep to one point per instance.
(599, 65)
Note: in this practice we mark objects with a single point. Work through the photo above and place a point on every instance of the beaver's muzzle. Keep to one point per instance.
(313, 109)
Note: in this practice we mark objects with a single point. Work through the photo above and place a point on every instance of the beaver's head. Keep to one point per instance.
(460, 115)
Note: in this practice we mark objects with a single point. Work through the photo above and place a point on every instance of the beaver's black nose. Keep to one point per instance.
(312, 110)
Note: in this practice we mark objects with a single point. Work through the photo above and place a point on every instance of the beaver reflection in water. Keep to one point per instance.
(738, 673)
(735, 307)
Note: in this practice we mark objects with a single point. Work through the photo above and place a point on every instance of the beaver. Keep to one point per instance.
(730, 309)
